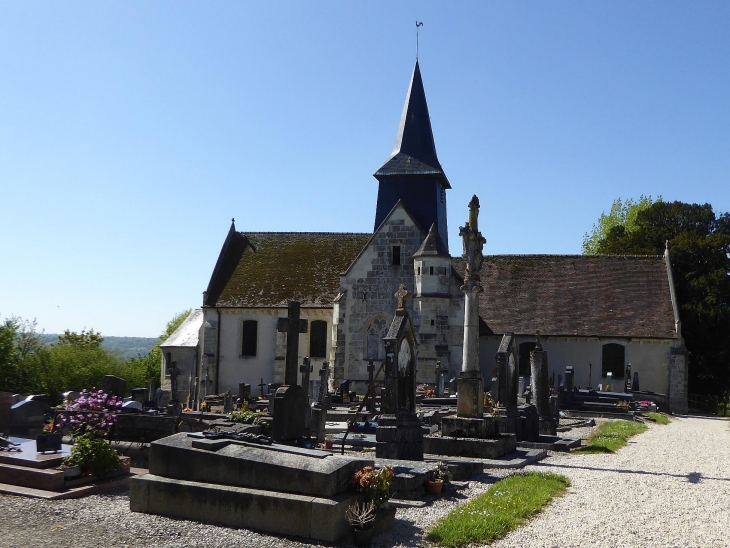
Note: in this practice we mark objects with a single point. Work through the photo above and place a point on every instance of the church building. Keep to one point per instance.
(595, 313)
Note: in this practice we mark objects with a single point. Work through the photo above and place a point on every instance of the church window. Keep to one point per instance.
(396, 255)
(431, 271)
(374, 346)
(318, 339)
(613, 356)
(418, 271)
(525, 349)
(249, 338)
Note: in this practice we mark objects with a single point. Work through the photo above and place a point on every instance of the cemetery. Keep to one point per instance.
(306, 459)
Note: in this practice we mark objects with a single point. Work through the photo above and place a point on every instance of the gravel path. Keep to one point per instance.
(669, 487)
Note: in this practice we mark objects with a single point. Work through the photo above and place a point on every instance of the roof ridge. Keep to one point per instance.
(303, 232)
(570, 255)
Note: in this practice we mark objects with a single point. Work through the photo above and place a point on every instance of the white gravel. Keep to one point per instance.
(669, 487)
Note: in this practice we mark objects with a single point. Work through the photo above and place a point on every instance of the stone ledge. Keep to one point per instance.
(266, 511)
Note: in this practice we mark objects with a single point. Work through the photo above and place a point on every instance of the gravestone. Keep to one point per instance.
(27, 418)
(635, 384)
(174, 371)
(261, 386)
(114, 386)
(244, 392)
(399, 435)
(627, 384)
(318, 418)
(6, 402)
(140, 395)
(305, 369)
(439, 389)
(70, 396)
(541, 390)
(507, 359)
(371, 374)
(290, 400)
(162, 398)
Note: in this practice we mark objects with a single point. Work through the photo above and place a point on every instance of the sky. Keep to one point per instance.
(131, 133)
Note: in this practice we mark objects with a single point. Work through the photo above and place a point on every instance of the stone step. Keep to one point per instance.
(517, 459)
(47, 479)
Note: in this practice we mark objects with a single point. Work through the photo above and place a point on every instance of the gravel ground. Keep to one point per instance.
(669, 487)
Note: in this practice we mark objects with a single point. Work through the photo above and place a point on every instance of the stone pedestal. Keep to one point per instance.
(399, 437)
(317, 422)
(548, 427)
(290, 412)
(470, 394)
(468, 427)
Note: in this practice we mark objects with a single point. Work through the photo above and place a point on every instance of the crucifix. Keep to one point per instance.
(261, 386)
(439, 380)
(292, 325)
(402, 294)
(306, 369)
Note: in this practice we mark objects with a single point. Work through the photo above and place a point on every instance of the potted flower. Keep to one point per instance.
(361, 516)
(375, 487)
(442, 478)
(49, 440)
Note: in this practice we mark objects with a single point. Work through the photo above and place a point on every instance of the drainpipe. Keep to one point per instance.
(218, 350)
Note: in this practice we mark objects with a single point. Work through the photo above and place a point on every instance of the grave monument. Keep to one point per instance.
(399, 435)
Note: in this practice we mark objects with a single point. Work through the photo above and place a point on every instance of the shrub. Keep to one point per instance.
(374, 484)
(93, 455)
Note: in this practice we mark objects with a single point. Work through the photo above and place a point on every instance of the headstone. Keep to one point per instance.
(261, 386)
(71, 396)
(521, 387)
(439, 389)
(306, 368)
(140, 395)
(114, 386)
(133, 405)
(290, 401)
(6, 402)
(27, 418)
(244, 391)
(541, 390)
(371, 376)
(318, 417)
(162, 398)
(627, 383)
(635, 384)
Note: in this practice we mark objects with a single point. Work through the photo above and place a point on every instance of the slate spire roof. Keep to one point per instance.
(433, 245)
(414, 152)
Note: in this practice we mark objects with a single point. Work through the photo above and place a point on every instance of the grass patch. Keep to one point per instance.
(505, 506)
(611, 436)
(658, 418)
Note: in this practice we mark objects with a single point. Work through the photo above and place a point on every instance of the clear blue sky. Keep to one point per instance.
(132, 132)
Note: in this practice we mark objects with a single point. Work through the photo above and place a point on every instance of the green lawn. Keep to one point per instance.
(505, 506)
(611, 436)
(658, 418)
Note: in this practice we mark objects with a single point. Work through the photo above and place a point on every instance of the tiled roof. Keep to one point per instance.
(576, 295)
(269, 269)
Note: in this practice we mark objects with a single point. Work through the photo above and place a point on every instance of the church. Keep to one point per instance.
(596, 313)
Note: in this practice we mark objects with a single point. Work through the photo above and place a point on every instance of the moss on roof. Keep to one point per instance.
(286, 266)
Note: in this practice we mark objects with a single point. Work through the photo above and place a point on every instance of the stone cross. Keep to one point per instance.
(306, 369)
(173, 371)
(402, 294)
(261, 386)
(323, 380)
(292, 325)
(371, 373)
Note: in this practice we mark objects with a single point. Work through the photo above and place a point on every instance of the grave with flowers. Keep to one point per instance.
(46, 468)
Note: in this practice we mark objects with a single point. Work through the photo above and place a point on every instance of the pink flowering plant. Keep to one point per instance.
(92, 413)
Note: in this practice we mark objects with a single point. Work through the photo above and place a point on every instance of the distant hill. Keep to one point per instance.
(128, 347)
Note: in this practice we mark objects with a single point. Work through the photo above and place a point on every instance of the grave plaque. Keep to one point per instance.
(114, 386)
(27, 418)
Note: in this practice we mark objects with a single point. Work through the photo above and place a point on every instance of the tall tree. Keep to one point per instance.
(699, 250)
(623, 213)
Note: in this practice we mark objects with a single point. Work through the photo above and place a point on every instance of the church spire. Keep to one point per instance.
(414, 152)
(413, 174)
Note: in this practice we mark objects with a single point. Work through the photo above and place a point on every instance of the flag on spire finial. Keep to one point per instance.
(418, 24)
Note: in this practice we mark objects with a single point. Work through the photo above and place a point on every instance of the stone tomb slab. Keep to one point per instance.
(266, 511)
(255, 467)
(470, 447)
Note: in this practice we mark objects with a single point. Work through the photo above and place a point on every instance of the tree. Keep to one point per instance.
(86, 339)
(699, 250)
(622, 214)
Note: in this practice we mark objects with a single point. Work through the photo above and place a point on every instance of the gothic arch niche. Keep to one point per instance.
(376, 329)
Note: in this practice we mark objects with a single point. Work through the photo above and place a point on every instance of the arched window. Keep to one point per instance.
(374, 333)
(318, 339)
(249, 336)
(525, 349)
(613, 360)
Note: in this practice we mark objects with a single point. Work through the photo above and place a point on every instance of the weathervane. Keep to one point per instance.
(418, 24)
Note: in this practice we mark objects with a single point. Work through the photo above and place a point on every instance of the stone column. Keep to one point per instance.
(470, 391)
(541, 389)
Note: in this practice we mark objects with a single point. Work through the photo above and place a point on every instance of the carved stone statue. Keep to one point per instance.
(473, 241)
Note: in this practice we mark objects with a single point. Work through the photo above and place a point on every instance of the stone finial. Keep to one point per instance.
(402, 294)
(473, 241)
(538, 346)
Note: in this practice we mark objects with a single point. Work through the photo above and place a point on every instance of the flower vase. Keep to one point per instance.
(434, 486)
(362, 537)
